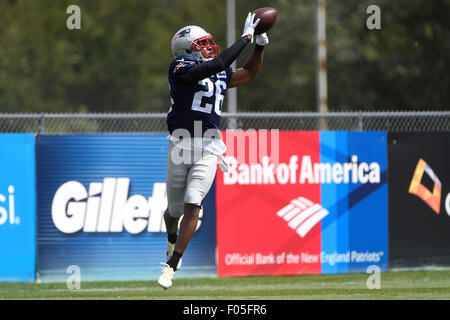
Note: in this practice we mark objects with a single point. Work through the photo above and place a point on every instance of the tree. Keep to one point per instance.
(118, 60)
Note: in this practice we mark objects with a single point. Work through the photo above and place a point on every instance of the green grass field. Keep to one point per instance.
(423, 285)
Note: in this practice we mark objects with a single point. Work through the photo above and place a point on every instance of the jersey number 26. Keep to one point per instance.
(210, 89)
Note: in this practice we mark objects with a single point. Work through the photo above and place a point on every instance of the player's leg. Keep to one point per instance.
(187, 226)
(176, 180)
(171, 226)
(172, 234)
(176, 177)
(200, 178)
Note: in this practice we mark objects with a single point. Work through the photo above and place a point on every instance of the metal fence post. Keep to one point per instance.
(360, 122)
(41, 124)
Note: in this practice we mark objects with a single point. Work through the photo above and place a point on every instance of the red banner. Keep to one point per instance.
(253, 200)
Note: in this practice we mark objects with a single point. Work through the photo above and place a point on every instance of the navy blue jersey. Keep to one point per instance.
(197, 101)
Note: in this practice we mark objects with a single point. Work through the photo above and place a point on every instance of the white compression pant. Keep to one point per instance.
(190, 181)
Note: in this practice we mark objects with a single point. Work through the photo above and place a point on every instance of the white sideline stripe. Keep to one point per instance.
(311, 222)
(283, 211)
(309, 203)
(298, 204)
(292, 213)
(303, 216)
(97, 289)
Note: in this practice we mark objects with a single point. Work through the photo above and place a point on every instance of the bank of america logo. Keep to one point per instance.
(302, 215)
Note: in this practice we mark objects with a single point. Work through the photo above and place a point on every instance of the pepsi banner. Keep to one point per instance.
(17, 208)
(302, 202)
(101, 200)
(419, 199)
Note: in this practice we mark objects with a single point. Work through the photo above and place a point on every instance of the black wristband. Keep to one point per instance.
(245, 39)
(259, 48)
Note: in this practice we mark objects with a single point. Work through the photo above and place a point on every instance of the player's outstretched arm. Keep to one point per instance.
(251, 68)
(219, 63)
(226, 58)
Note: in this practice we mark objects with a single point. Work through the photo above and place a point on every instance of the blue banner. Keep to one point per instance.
(101, 202)
(17, 208)
(355, 232)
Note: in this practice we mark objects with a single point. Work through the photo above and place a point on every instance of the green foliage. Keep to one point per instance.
(405, 65)
(118, 61)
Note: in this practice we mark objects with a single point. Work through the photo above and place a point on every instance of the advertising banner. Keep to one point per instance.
(101, 200)
(419, 199)
(302, 202)
(17, 208)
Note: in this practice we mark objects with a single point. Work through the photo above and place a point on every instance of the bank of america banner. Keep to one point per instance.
(101, 200)
(302, 203)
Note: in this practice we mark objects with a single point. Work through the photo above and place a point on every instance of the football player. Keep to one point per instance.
(198, 79)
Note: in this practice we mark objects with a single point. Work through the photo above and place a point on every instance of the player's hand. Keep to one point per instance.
(262, 39)
(250, 25)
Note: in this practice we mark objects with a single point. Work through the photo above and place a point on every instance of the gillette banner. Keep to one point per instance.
(302, 202)
(101, 200)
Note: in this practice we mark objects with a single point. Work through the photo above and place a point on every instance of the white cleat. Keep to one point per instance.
(166, 277)
(169, 253)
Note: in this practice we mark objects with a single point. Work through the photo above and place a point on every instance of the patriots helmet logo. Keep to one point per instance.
(182, 34)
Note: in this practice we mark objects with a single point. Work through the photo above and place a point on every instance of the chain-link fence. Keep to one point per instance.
(156, 122)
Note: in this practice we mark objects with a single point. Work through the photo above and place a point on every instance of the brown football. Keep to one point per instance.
(267, 17)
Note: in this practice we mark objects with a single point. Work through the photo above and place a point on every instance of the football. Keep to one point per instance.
(267, 17)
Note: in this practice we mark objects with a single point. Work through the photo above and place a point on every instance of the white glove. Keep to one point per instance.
(262, 39)
(249, 26)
